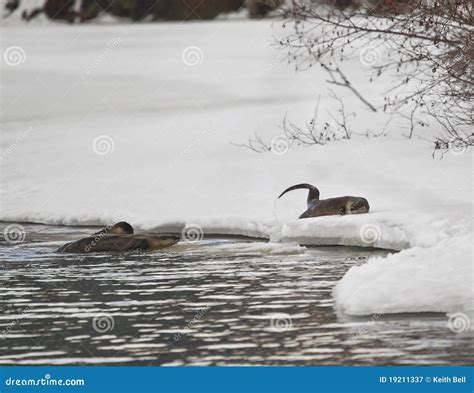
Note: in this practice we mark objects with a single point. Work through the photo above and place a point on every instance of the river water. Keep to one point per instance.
(221, 301)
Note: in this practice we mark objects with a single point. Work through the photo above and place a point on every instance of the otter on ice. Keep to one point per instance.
(332, 206)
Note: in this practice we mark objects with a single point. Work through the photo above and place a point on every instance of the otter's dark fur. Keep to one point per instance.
(119, 238)
(121, 228)
(120, 243)
(332, 206)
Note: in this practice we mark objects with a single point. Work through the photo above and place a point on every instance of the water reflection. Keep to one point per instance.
(220, 302)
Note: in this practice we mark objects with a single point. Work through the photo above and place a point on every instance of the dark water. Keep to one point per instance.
(217, 302)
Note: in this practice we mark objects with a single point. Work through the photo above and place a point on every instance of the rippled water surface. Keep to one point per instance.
(217, 302)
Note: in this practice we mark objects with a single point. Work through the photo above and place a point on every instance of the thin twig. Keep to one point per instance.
(345, 83)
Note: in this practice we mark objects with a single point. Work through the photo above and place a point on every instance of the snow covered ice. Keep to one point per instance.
(144, 136)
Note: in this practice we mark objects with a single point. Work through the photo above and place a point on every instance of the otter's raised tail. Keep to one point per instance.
(313, 194)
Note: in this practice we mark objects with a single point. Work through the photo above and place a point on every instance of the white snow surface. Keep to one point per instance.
(166, 128)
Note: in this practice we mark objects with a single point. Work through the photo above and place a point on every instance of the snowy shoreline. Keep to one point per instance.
(420, 276)
(122, 129)
(273, 232)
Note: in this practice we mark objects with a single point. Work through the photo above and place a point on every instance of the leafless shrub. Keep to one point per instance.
(256, 144)
(427, 45)
(313, 132)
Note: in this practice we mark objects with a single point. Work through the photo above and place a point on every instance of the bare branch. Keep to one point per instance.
(345, 83)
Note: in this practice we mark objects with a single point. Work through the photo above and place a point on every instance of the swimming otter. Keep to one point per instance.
(120, 243)
(331, 206)
(119, 238)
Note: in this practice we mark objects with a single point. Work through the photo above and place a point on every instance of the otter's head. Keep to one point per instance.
(357, 205)
(157, 242)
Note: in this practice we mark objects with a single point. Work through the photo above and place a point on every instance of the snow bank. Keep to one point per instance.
(419, 279)
(125, 127)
